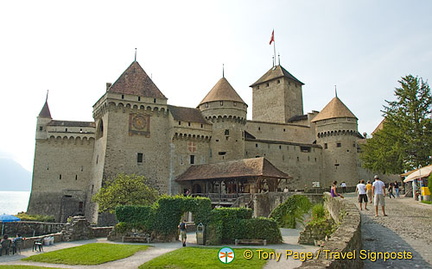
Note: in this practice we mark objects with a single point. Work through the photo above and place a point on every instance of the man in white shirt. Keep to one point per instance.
(362, 197)
(379, 192)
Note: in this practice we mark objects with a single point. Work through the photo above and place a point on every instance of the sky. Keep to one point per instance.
(73, 48)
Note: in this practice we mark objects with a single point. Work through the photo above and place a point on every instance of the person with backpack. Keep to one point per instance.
(182, 226)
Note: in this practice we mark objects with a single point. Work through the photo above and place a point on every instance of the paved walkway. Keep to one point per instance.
(408, 227)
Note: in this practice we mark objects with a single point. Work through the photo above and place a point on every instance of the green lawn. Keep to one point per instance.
(90, 254)
(25, 267)
(195, 257)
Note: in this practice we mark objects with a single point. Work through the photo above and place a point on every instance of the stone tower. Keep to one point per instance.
(227, 111)
(337, 133)
(62, 166)
(131, 133)
(277, 96)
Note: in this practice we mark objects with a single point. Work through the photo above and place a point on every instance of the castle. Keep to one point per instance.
(210, 148)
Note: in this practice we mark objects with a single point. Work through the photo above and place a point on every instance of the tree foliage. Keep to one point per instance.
(125, 190)
(405, 141)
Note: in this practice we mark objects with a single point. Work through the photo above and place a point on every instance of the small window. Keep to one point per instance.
(226, 132)
(60, 176)
(66, 130)
(278, 81)
(192, 159)
(325, 146)
(235, 103)
(76, 177)
(202, 126)
(139, 98)
(122, 96)
(154, 100)
(206, 105)
(179, 122)
(256, 145)
(221, 103)
(40, 128)
(140, 157)
(267, 84)
(189, 124)
(305, 149)
(221, 152)
(338, 144)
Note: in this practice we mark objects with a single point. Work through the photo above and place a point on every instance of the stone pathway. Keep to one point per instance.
(408, 227)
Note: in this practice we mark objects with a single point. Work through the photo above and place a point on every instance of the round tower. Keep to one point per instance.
(43, 119)
(337, 133)
(227, 111)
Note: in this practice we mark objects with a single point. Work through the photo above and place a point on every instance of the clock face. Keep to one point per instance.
(139, 122)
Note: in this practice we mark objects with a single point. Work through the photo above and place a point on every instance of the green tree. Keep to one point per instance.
(405, 141)
(125, 190)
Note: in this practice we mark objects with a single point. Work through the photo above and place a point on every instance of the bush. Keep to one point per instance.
(318, 211)
(42, 218)
(290, 212)
(165, 214)
(228, 224)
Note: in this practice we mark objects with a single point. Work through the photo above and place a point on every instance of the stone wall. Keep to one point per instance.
(346, 240)
(31, 228)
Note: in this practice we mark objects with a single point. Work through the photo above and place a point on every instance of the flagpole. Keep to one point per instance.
(274, 48)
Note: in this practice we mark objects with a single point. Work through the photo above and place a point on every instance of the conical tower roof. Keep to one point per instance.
(45, 111)
(135, 81)
(334, 109)
(274, 73)
(222, 91)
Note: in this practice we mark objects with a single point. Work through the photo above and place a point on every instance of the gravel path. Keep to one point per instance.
(408, 227)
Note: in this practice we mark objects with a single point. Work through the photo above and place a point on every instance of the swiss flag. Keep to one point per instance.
(272, 38)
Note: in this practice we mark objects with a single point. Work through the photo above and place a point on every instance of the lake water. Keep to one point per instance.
(12, 202)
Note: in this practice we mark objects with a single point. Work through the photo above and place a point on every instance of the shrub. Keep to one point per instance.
(290, 212)
(42, 218)
(318, 211)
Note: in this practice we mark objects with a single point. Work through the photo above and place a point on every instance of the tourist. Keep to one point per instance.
(333, 190)
(182, 226)
(369, 191)
(378, 191)
(344, 186)
(390, 190)
(362, 197)
(396, 188)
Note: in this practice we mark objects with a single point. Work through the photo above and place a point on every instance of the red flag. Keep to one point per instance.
(272, 38)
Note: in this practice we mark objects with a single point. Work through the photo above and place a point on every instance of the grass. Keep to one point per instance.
(195, 257)
(25, 267)
(427, 202)
(90, 254)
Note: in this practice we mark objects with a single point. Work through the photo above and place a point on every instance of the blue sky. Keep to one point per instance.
(73, 48)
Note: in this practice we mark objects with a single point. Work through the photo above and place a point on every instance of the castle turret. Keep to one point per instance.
(227, 111)
(277, 96)
(337, 133)
(43, 119)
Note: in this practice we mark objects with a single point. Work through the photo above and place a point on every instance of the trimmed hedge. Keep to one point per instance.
(164, 215)
(228, 224)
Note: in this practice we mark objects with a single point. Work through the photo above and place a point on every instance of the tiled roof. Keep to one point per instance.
(222, 91)
(45, 111)
(72, 123)
(276, 72)
(255, 167)
(186, 114)
(334, 109)
(135, 81)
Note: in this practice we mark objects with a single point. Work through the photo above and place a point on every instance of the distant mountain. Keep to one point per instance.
(13, 177)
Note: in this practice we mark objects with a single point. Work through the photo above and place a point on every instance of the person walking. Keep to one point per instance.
(182, 226)
(396, 188)
(344, 186)
(379, 192)
(390, 190)
(369, 191)
(362, 196)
